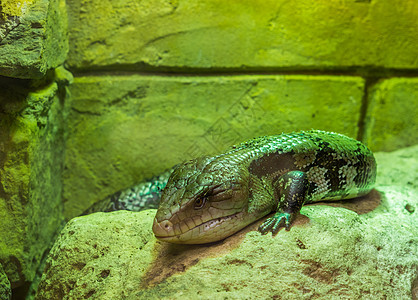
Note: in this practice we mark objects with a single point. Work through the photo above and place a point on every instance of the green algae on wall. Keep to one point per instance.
(14, 8)
(5, 290)
(33, 37)
(31, 161)
(126, 128)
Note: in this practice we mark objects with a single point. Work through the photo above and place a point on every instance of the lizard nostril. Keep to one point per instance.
(166, 225)
(163, 228)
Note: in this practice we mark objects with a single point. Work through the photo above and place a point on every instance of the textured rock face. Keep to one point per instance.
(31, 156)
(126, 128)
(336, 253)
(108, 249)
(393, 114)
(33, 37)
(5, 290)
(237, 35)
(33, 41)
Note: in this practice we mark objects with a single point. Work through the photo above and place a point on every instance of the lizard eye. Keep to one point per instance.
(199, 202)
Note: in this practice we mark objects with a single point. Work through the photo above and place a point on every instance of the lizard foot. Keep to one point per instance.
(274, 223)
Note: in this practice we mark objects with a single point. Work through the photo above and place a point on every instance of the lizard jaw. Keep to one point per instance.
(209, 231)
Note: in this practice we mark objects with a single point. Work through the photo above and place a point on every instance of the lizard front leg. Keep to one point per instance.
(292, 190)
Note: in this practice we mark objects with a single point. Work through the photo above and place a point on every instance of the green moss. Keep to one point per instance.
(12, 8)
(33, 36)
(5, 290)
(31, 155)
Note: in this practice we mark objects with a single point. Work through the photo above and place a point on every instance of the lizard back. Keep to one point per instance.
(337, 167)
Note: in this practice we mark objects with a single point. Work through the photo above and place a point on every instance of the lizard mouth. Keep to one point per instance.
(209, 231)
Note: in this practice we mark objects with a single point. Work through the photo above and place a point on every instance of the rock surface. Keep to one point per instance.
(31, 155)
(33, 37)
(358, 249)
(214, 35)
(392, 116)
(5, 290)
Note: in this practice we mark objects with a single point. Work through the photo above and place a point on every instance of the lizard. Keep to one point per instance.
(212, 197)
(141, 196)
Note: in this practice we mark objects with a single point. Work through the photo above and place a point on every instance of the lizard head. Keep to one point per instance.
(205, 200)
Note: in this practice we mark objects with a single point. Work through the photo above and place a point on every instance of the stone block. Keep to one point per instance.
(239, 35)
(33, 37)
(126, 128)
(392, 120)
(31, 162)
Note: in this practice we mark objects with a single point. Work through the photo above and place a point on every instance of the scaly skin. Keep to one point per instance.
(209, 198)
(144, 195)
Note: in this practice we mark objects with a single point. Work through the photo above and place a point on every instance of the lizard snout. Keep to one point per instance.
(163, 228)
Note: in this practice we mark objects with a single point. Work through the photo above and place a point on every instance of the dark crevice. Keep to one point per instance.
(21, 291)
(90, 113)
(144, 69)
(364, 109)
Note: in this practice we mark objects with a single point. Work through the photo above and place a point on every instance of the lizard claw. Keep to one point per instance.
(274, 223)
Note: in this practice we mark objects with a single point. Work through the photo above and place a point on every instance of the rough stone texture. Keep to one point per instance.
(121, 236)
(31, 161)
(393, 114)
(127, 128)
(5, 290)
(243, 35)
(337, 254)
(33, 37)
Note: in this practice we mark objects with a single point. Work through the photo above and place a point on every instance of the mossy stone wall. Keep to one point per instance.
(32, 150)
(238, 35)
(158, 82)
(33, 42)
(5, 290)
(33, 37)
